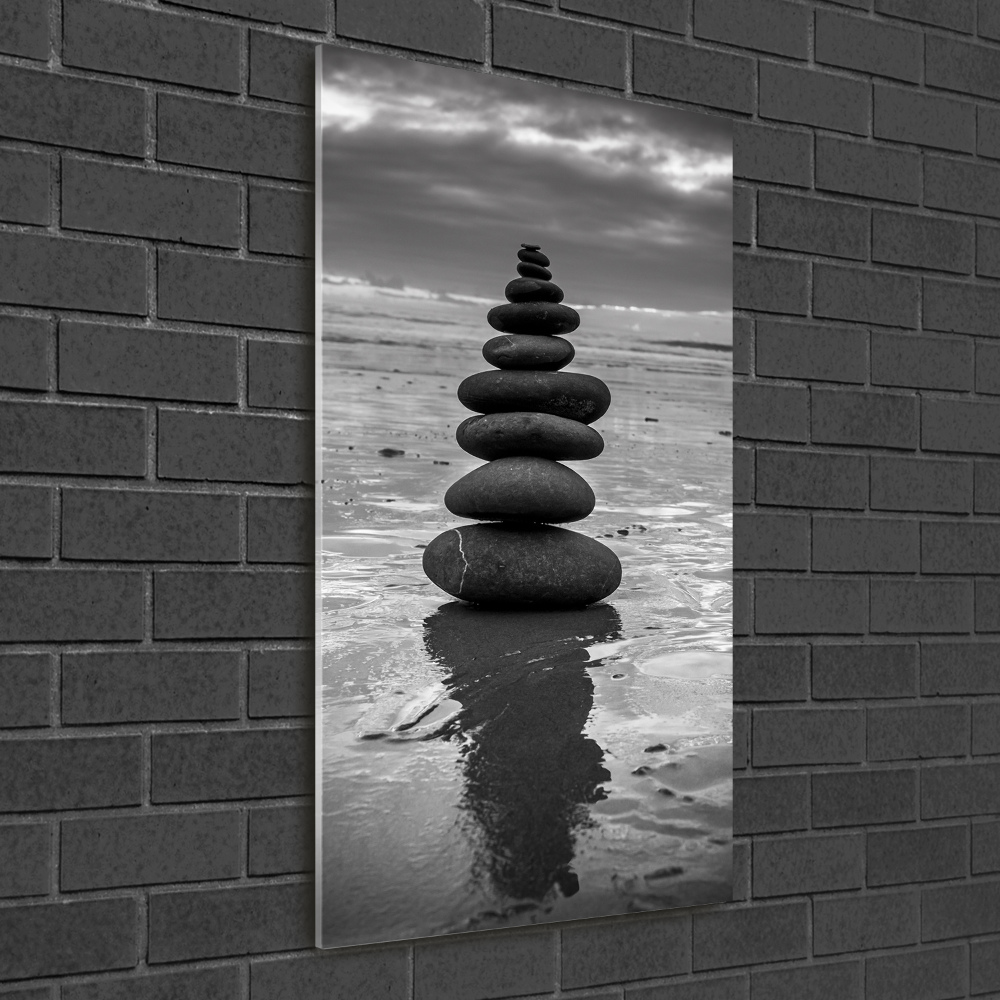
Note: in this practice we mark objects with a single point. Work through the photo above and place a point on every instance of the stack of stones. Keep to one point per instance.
(531, 416)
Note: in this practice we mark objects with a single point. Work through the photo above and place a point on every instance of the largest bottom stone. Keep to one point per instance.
(522, 565)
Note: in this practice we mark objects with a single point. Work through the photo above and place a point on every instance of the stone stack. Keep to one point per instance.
(531, 415)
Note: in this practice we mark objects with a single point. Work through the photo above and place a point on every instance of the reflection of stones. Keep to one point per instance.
(532, 415)
(521, 488)
(530, 772)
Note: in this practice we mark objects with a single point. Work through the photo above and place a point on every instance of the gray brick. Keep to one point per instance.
(664, 15)
(150, 526)
(219, 766)
(130, 41)
(777, 155)
(24, 860)
(928, 484)
(928, 974)
(987, 496)
(280, 530)
(771, 412)
(281, 840)
(863, 417)
(803, 605)
(953, 64)
(987, 605)
(987, 367)
(810, 97)
(927, 854)
(771, 541)
(485, 967)
(844, 980)
(149, 850)
(960, 547)
(859, 798)
(235, 292)
(766, 804)
(863, 923)
(988, 21)
(905, 115)
(811, 351)
(553, 46)
(220, 983)
(711, 988)
(762, 25)
(281, 683)
(868, 46)
(24, 351)
(281, 375)
(234, 447)
(43, 605)
(281, 221)
(207, 605)
(783, 736)
(921, 362)
(26, 522)
(899, 732)
(133, 201)
(962, 186)
(383, 973)
(865, 296)
(957, 425)
(961, 307)
(24, 30)
(25, 681)
(959, 15)
(680, 71)
(743, 474)
(770, 673)
(985, 847)
(446, 27)
(294, 13)
(865, 545)
(812, 225)
(68, 111)
(951, 668)
(92, 936)
(742, 344)
(988, 132)
(24, 186)
(786, 866)
(986, 728)
(741, 739)
(39, 775)
(883, 670)
(53, 271)
(625, 949)
(985, 966)
(765, 933)
(744, 200)
(239, 138)
(867, 170)
(770, 284)
(959, 790)
(149, 686)
(922, 241)
(960, 910)
(244, 920)
(811, 479)
(926, 605)
(151, 363)
(988, 251)
(282, 68)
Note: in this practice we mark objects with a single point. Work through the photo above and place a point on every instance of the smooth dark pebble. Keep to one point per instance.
(513, 351)
(623, 531)
(501, 435)
(533, 257)
(533, 271)
(667, 792)
(539, 318)
(652, 420)
(532, 290)
(532, 246)
(564, 394)
(655, 748)
(391, 452)
(726, 434)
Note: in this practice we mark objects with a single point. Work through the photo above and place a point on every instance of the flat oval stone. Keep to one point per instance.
(522, 350)
(563, 394)
(539, 318)
(498, 435)
(530, 256)
(521, 488)
(532, 246)
(532, 290)
(533, 271)
(522, 566)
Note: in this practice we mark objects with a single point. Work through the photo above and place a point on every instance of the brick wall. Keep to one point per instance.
(155, 517)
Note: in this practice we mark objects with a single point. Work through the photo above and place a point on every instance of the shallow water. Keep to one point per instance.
(485, 768)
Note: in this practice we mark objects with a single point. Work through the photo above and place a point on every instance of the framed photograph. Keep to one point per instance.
(524, 502)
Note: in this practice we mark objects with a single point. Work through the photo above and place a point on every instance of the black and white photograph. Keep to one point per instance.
(524, 502)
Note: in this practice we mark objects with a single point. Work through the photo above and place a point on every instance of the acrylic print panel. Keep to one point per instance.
(484, 766)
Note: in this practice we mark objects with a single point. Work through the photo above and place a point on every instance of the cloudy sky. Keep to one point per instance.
(436, 175)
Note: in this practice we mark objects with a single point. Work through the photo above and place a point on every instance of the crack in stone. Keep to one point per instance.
(465, 562)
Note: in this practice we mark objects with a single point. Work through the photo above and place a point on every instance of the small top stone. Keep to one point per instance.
(532, 246)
